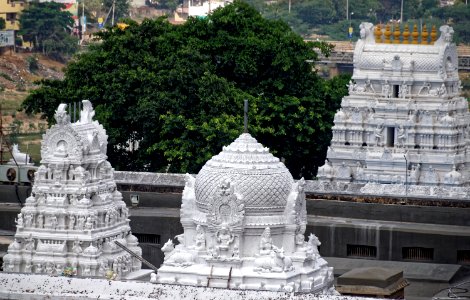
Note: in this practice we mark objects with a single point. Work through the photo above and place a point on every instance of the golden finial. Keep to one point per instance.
(415, 35)
(406, 35)
(387, 34)
(378, 34)
(396, 35)
(424, 35)
(433, 34)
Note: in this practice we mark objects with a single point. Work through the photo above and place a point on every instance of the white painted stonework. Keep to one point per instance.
(74, 214)
(244, 220)
(33, 286)
(403, 121)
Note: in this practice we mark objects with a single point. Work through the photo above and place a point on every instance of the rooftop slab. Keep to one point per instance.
(29, 286)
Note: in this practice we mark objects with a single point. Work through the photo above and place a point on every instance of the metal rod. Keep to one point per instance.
(246, 116)
(137, 256)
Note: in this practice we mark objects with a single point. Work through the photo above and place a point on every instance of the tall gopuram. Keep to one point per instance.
(403, 128)
(74, 214)
(244, 220)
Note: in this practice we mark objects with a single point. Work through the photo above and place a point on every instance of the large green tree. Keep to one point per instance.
(179, 90)
(47, 26)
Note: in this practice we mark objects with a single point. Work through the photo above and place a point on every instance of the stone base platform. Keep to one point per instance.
(300, 279)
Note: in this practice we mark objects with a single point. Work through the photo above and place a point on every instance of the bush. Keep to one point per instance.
(33, 64)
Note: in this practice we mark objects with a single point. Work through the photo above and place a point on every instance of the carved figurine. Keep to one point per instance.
(200, 238)
(19, 221)
(378, 132)
(224, 237)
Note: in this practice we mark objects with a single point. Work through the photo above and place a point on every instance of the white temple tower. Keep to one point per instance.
(403, 120)
(244, 220)
(74, 214)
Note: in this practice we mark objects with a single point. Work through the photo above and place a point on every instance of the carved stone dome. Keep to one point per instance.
(262, 181)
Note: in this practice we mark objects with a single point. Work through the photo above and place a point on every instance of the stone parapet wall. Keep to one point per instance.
(22, 286)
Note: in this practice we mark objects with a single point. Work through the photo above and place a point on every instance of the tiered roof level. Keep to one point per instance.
(404, 120)
(75, 214)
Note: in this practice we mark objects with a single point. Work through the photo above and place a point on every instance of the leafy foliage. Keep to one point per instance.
(179, 90)
(47, 27)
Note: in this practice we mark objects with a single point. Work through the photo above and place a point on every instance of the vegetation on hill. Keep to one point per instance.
(47, 27)
(329, 17)
(179, 91)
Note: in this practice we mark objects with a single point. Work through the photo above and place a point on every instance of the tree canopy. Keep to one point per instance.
(47, 26)
(179, 91)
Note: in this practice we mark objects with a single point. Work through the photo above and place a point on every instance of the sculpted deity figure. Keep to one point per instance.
(29, 243)
(351, 86)
(224, 237)
(87, 113)
(386, 89)
(39, 268)
(76, 248)
(425, 89)
(89, 223)
(359, 171)
(71, 221)
(299, 237)
(442, 90)
(19, 221)
(414, 174)
(378, 134)
(404, 90)
(266, 242)
(59, 269)
(401, 136)
(61, 115)
(369, 86)
(40, 221)
(28, 268)
(53, 222)
(102, 268)
(81, 222)
(200, 238)
(49, 268)
(28, 220)
(86, 271)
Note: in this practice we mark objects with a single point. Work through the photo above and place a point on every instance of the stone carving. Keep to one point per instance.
(378, 133)
(73, 171)
(312, 246)
(425, 89)
(226, 206)
(401, 136)
(403, 90)
(453, 177)
(386, 89)
(200, 238)
(241, 203)
(19, 157)
(19, 221)
(175, 257)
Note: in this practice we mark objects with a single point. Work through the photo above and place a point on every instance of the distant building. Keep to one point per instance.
(404, 121)
(197, 9)
(10, 11)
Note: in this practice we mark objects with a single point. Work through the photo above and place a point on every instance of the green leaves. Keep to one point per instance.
(48, 28)
(179, 91)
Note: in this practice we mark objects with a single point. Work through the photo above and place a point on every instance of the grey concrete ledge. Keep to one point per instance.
(147, 178)
(317, 187)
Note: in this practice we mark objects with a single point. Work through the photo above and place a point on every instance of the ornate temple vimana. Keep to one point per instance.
(244, 220)
(403, 122)
(75, 214)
